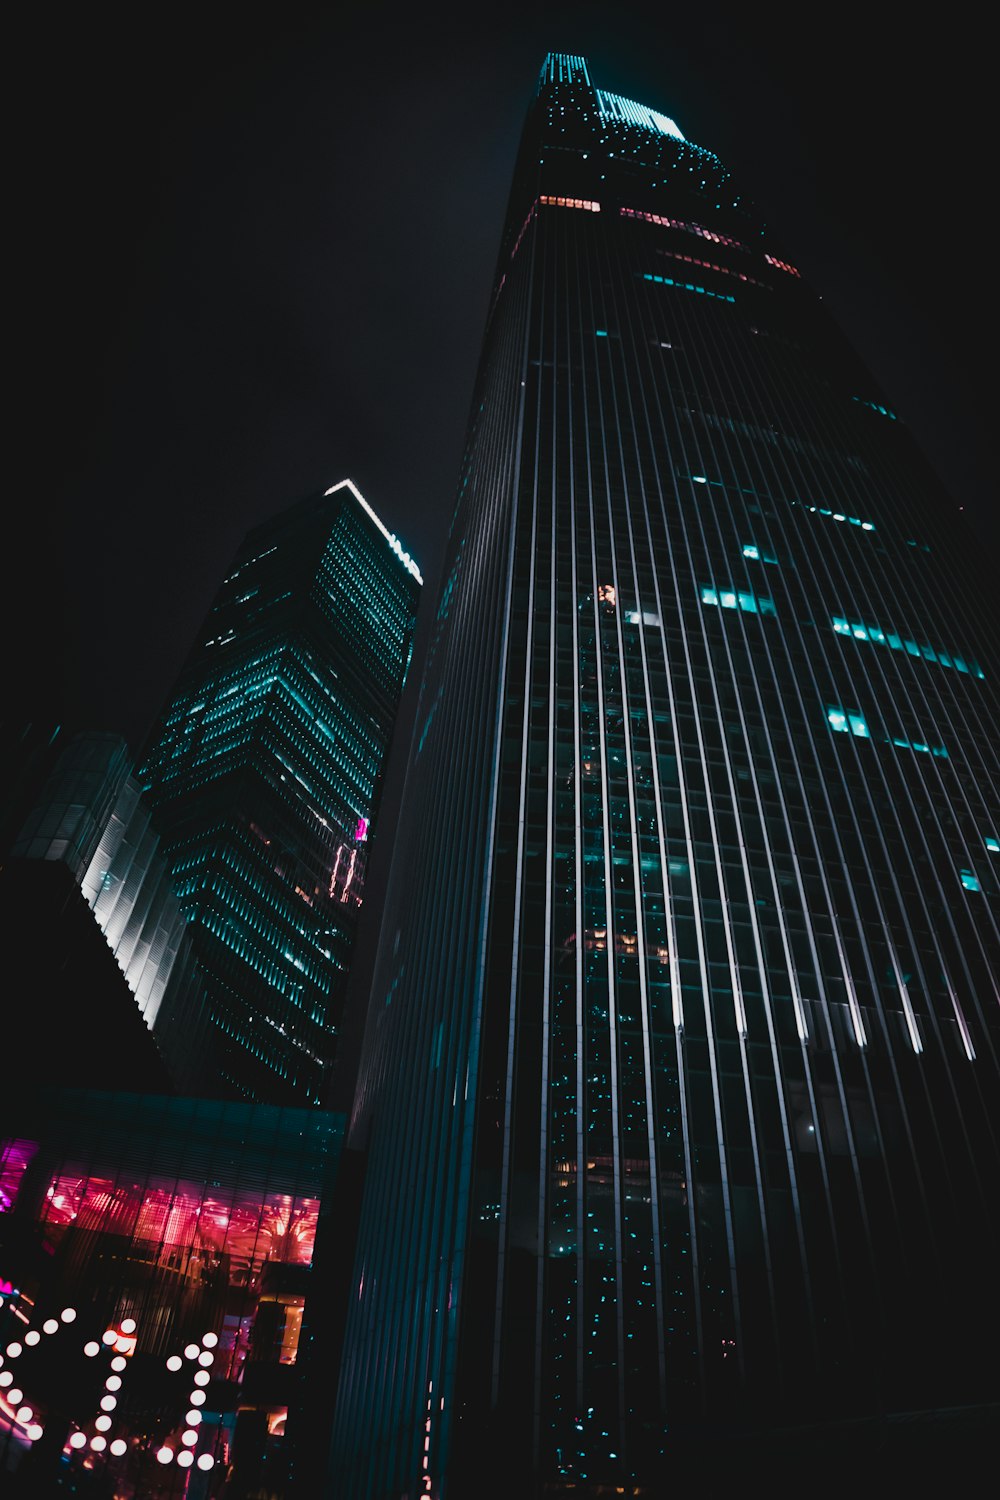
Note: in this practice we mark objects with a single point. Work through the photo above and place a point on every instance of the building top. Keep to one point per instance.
(390, 536)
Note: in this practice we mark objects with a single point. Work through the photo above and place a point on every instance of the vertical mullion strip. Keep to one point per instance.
(641, 945)
(604, 482)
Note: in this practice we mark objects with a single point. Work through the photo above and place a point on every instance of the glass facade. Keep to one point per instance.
(680, 1080)
(91, 817)
(264, 777)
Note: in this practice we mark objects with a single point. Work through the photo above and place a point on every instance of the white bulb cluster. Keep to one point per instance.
(202, 1357)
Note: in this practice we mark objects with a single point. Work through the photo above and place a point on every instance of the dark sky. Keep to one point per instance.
(254, 256)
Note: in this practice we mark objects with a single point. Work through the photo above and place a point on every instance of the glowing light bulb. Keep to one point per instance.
(32, 1336)
(189, 1438)
(191, 1351)
(68, 1314)
(118, 1447)
(91, 1349)
(193, 1418)
(202, 1377)
(164, 1455)
(119, 1362)
(108, 1403)
(34, 1432)
(210, 1340)
(127, 1325)
(206, 1462)
(78, 1440)
(185, 1459)
(99, 1442)
(206, 1358)
(50, 1325)
(103, 1424)
(113, 1383)
(174, 1362)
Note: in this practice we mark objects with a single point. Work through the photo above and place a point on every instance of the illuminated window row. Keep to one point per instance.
(614, 107)
(874, 406)
(698, 229)
(586, 203)
(728, 599)
(845, 722)
(754, 553)
(836, 515)
(688, 287)
(861, 632)
(250, 562)
(708, 265)
(782, 265)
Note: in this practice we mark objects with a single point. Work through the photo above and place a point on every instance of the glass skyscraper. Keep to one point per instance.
(679, 1085)
(264, 777)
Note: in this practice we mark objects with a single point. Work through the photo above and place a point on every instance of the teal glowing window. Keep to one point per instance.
(969, 880)
(836, 515)
(862, 632)
(919, 745)
(732, 599)
(844, 722)
(757, 554)
(687, 286)
(883, 411)
(993, 845)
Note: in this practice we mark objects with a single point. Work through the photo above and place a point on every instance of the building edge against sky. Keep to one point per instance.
(264, 775)
(680, 1076)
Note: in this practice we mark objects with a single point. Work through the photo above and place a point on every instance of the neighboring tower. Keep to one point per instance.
(680, 1077)
(87, 845)
(264, 775)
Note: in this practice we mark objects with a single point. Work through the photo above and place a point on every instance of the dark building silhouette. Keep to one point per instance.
(680, 1078)
(264, 776)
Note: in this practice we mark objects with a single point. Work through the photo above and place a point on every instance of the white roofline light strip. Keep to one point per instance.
(393, 541)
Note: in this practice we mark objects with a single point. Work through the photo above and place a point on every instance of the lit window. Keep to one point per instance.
(863, 632)
(969, 880)
(730, 599)
(754, 553)
(847, 723)
(992, 844)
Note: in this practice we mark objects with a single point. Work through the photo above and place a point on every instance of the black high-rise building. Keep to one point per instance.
(680, 1077)
(264, 776)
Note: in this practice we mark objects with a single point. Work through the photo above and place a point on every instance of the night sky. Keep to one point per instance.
(254, 257)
